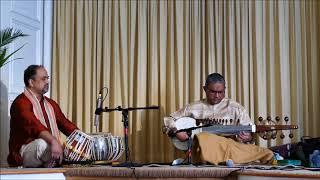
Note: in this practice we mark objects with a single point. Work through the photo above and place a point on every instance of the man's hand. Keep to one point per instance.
(244, 137)
(182, 136)
(55, 147)
(56, 151)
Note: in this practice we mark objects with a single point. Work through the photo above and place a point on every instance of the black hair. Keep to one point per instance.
(214, 78)
(30, 73)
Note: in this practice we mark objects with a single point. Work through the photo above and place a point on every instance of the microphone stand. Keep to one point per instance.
(125, 120)
(189, 133)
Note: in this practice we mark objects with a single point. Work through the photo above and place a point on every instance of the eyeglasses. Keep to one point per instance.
(215, 92)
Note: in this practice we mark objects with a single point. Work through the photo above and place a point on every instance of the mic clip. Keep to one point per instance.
(98, 111)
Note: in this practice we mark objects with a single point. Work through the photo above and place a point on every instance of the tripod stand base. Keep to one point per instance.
(185, 165)
(127, 164)
(181, 162)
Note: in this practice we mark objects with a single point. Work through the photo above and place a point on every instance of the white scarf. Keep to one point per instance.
(37, 110)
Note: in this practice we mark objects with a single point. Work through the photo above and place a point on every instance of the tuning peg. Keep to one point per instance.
(238, 121)
(286, 119)
(260, 119)
(231, 121)
(273, 136)
(265, 137)
(226, 121)
(223, 121)
(269, 118)
(282, 136)
(291, 135)
(277, 118)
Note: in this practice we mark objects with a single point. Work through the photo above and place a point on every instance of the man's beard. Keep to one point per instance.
(45, 89)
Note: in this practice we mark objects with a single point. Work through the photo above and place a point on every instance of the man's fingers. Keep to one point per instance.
(182, 136)
(60, 160)
(244, 136)
(57, 157)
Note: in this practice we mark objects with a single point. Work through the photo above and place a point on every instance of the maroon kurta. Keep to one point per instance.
(25, 127)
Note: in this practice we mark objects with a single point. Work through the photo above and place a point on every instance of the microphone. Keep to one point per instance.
(98, 110)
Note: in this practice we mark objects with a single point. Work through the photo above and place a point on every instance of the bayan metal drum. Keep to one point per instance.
(106, 147)
(101, 147)
(117, 147)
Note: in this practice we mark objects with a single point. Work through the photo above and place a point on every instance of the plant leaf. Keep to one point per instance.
(2, 55)
(2, 61)
(8, 35)
(11, 61)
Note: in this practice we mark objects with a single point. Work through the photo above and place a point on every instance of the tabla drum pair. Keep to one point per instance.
(96, 147)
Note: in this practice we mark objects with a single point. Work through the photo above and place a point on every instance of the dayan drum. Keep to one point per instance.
(106, 147)
(78, 147)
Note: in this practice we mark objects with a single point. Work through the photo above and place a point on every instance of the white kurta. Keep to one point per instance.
(227, 109)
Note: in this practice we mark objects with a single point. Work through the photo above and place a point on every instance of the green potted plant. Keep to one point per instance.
(7, 36)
